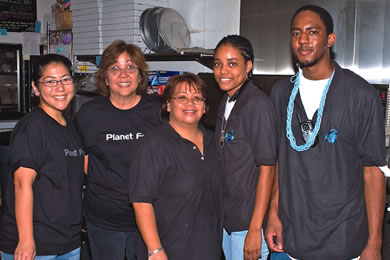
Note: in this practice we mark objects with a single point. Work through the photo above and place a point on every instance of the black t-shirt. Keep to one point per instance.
(321, 202)
(184, 187)
(251, 128)
(40, 143)
(110, 136)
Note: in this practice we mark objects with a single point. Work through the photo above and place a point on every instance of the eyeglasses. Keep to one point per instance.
(184, 100)
(52, 82)
(128, 70)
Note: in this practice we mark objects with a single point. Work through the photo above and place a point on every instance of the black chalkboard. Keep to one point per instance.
(18, 15)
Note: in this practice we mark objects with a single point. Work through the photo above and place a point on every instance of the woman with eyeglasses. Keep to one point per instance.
(111, 126)
(175, 189)
(246, 137)
(42, 205)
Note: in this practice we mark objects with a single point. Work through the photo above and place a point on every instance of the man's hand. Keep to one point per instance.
(273, 234)
(374, 196)
(371, 253)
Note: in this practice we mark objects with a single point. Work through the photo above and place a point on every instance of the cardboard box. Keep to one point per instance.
(87, 40)
(91, 51)
(164, 76)
(128, 32)
(121, 20)
(86, 35)
(85, 4)
(87, 28)
(157, 80)
(85, 11)
(79, 18)
(131, 28)
(152, 78)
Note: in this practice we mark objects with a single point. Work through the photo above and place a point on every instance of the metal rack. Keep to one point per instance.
(205, 59)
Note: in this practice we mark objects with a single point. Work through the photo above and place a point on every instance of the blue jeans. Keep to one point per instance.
(111, 245)
(284, 256)
(280, 256)
(72, 255)
(233, 245)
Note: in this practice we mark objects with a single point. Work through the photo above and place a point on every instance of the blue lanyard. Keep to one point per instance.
(290, 109)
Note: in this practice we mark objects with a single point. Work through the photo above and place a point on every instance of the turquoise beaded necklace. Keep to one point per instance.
(300, 148)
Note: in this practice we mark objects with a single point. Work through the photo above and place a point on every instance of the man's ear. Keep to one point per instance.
(249, 66)
(331, 40)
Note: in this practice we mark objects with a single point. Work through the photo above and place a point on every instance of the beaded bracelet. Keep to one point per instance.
(155, 251)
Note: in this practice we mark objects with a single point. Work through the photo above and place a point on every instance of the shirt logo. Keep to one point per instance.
(331, 137)
(74, 152)
(124, 137)
(229, 136)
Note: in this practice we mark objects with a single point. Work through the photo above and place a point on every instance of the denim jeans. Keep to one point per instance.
(111, 245)
(233, 245)
(280, 256)
(284, 256)
(72, 255)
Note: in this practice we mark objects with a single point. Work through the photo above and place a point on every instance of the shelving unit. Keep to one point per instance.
(205, 59)
(60, 42)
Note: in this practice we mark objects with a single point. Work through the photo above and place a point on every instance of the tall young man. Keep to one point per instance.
(328, 201)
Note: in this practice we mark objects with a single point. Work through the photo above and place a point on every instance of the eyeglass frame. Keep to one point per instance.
(125, 70)
(201, 100)
(57, 81)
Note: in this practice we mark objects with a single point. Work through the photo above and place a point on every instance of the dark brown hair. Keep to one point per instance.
(45, 60)
(110, 57)
(193, 81)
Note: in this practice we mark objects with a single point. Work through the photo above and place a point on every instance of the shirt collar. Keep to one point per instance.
(172, 132)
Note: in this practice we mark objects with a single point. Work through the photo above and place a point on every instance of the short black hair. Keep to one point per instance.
(45, 60)
(322, 13)
(242, 44)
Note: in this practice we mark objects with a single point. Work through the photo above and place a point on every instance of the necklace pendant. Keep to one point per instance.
(221, 141)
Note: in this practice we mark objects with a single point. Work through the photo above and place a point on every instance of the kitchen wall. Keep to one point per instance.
(208, 21)
(361, 26)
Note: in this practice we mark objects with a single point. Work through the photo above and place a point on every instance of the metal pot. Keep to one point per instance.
(164, 30)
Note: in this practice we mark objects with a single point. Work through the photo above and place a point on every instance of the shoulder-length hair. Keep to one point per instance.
(110, 57)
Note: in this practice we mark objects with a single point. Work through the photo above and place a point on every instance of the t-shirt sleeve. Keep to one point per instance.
(27, 146)
(147, 171)
(370, 132)
(262, 131)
